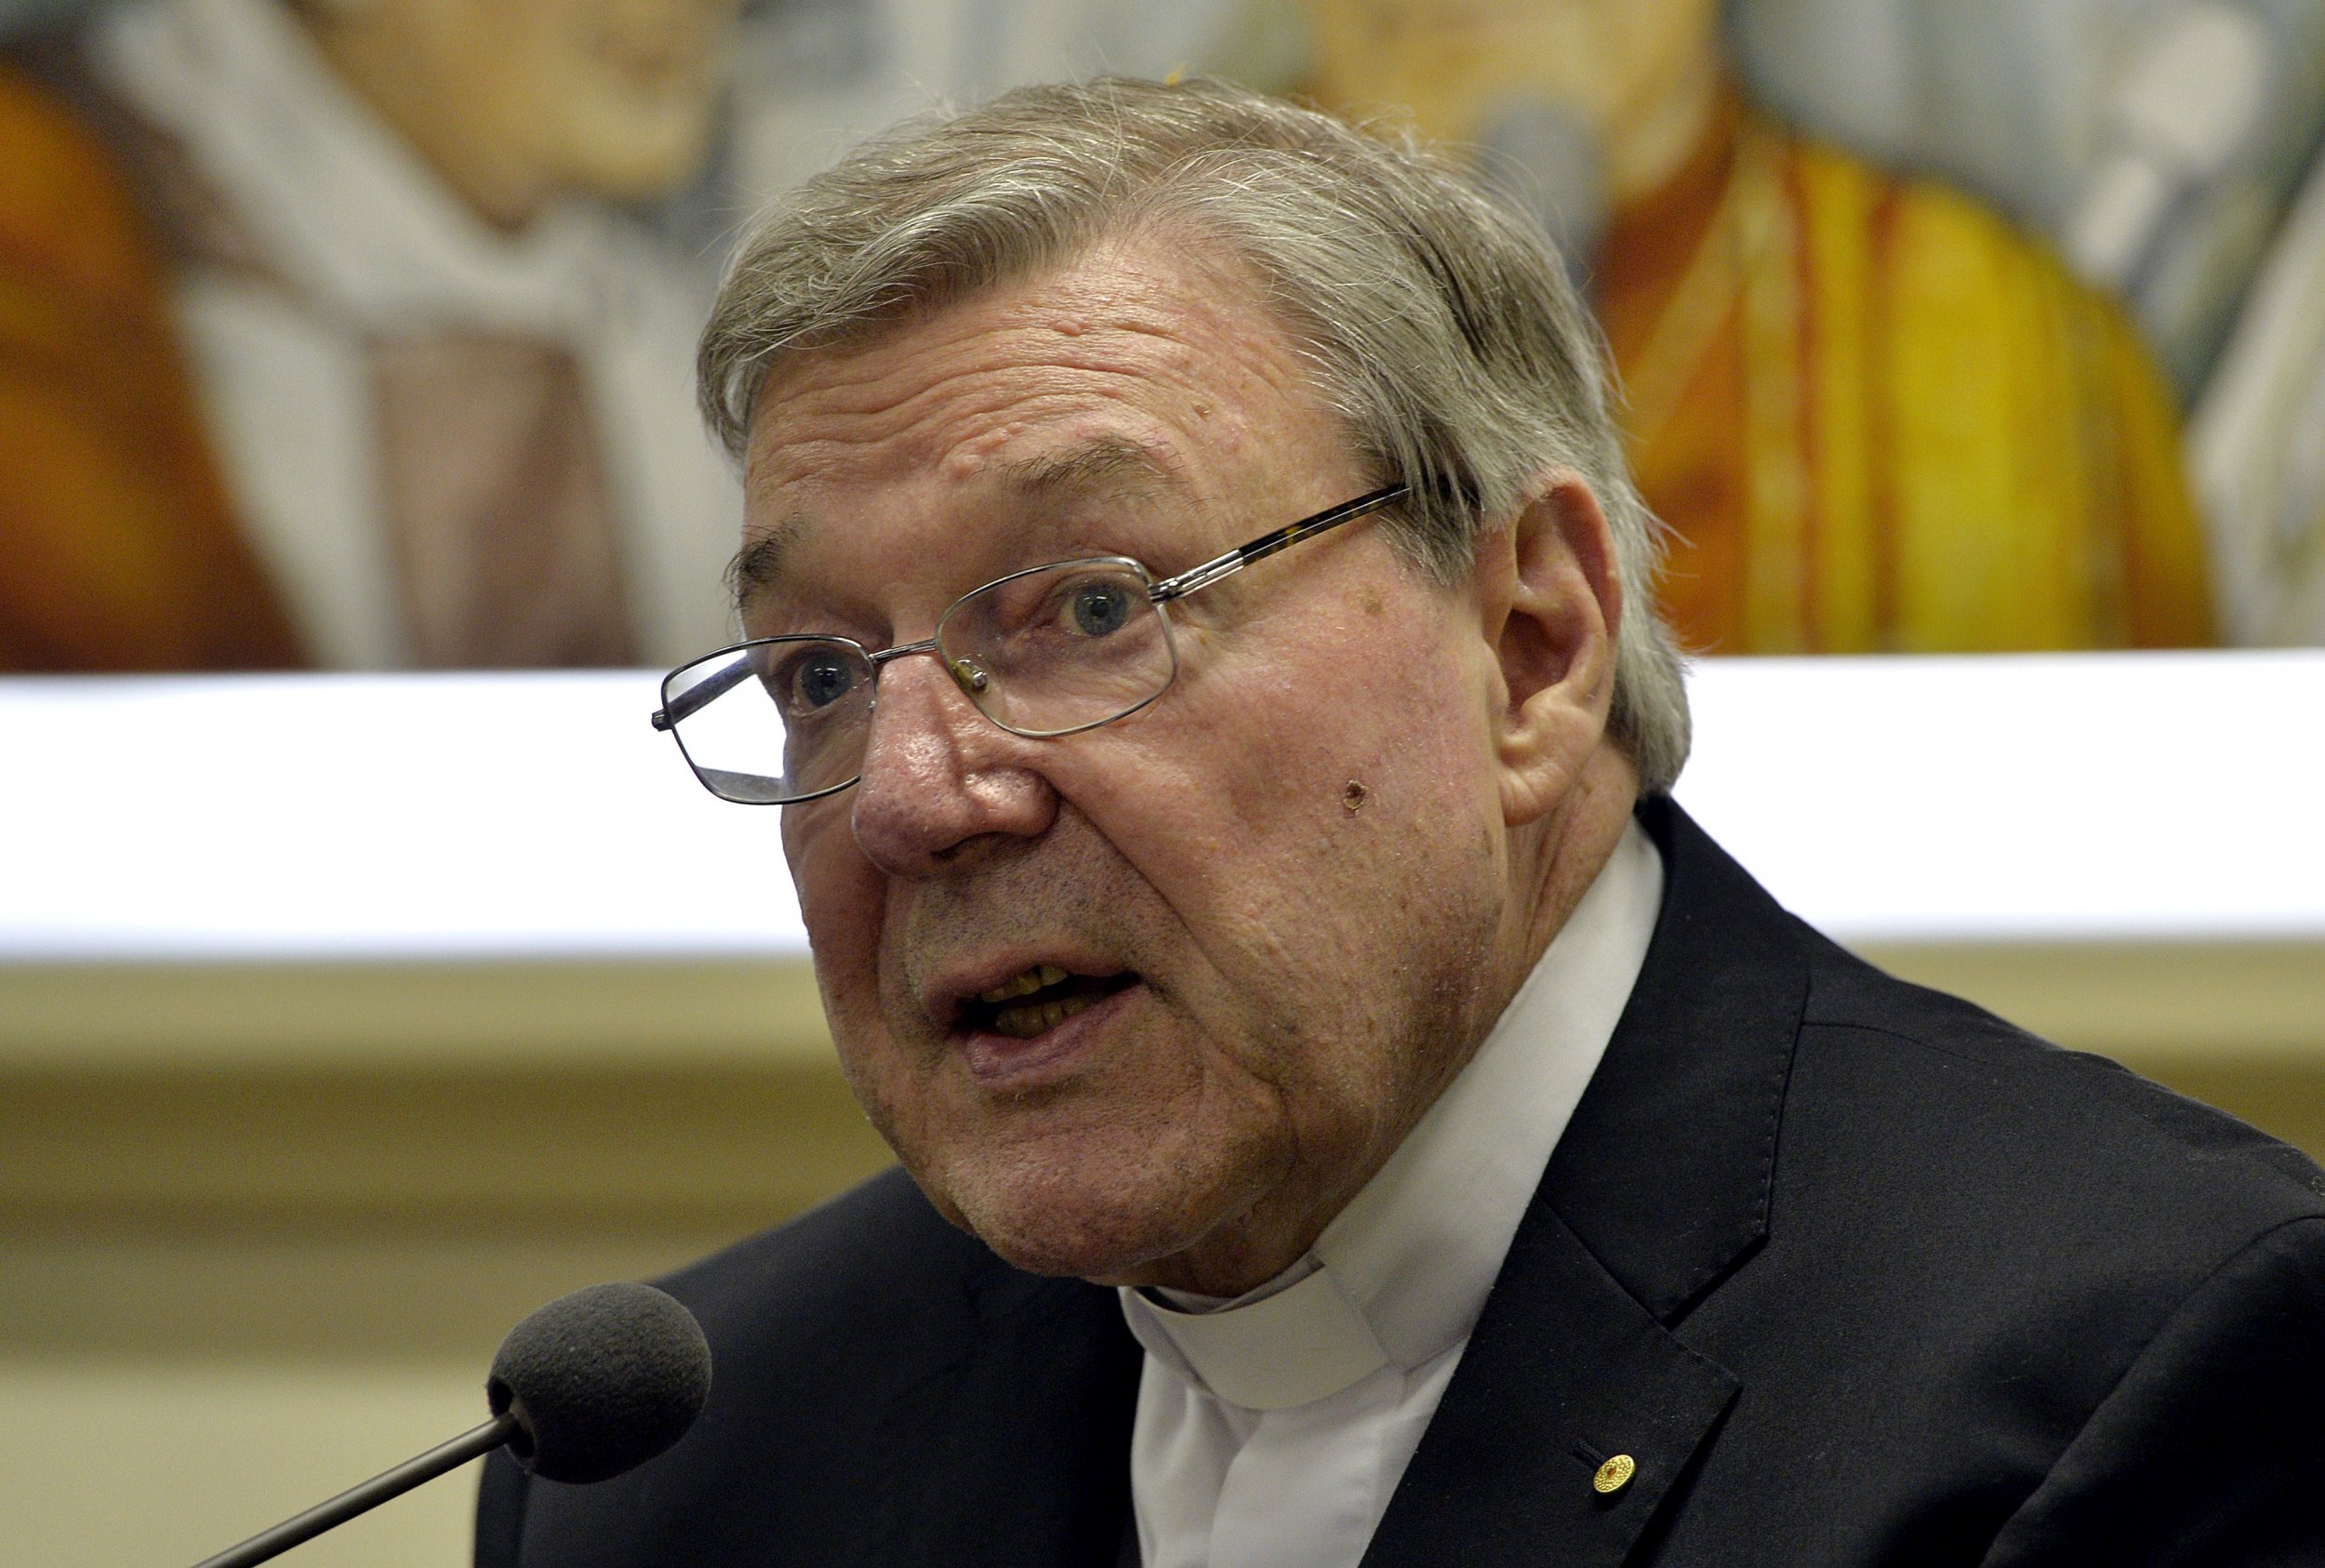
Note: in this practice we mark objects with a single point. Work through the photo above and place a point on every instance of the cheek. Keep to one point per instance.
(1397, 716)
(841, 901)
(1293, 896)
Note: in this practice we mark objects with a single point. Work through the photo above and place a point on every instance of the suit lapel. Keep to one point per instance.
(1015, 1452)
(1549, 1390)
(1656, 1192)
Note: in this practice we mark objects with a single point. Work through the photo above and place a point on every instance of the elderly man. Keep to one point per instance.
(1347, 1113)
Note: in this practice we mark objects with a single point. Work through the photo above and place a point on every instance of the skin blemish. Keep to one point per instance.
(1352, 798)
(1372, 601)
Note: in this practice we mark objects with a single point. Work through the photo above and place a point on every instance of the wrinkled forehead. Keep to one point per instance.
(1037, 492)
(1124, 379)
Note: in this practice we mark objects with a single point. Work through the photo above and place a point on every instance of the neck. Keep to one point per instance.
(1566, 857)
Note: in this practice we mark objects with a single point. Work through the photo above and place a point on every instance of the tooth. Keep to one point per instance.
(1017, 985)
(1026, 1021)
(1051, 974)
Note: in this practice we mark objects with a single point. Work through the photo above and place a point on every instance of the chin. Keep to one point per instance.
(1082, 1213)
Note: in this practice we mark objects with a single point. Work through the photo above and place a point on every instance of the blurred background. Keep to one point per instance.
(367, 973)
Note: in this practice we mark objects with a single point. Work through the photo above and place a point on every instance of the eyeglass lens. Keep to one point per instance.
(1045, 652)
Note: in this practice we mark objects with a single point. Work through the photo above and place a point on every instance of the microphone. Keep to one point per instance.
(592, 1385)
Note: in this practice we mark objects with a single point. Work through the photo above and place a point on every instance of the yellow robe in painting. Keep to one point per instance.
(1878, 417)
(118, 548)
(1880, 420)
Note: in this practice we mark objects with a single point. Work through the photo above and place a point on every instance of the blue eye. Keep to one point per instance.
(1100, 609)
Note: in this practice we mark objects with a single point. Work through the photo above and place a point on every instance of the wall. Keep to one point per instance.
(265, 1225)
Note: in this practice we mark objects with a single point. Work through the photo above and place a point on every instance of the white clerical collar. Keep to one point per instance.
(1400, 1275)
(346, 210)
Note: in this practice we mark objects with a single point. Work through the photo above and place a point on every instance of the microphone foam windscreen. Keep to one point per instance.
(600, 1381)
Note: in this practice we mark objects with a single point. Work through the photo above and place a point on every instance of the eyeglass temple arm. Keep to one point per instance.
(700, 694)
(1265, 544)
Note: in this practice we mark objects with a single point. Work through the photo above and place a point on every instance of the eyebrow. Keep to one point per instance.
(1109, 464)
(760, 562)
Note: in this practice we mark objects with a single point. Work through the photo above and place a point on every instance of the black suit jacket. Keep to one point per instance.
(1856, 1273)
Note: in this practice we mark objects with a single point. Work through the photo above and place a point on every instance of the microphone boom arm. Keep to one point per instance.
(370, 1495)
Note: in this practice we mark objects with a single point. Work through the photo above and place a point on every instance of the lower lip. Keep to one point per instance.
(1003, 1061)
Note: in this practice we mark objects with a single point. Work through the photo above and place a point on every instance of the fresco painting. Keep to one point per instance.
(2258, 444)
(1878, 417)
(442, 379)
(357, 333)
(119, 548)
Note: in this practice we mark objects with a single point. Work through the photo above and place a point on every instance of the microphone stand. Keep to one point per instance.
(370, 1495)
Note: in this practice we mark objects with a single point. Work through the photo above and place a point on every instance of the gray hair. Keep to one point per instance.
(1436, 320)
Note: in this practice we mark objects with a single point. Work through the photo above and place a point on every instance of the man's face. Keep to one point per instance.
(1282, 882)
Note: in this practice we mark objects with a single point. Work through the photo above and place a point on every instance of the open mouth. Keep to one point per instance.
(1038, 1000)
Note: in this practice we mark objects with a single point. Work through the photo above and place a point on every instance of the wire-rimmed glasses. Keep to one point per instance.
(1049, 651)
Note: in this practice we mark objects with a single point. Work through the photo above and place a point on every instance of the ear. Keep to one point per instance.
(1550, 602)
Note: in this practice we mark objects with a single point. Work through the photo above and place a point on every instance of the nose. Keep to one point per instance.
(942, 785)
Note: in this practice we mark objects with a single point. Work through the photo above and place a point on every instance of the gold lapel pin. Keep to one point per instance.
(1614, 1475)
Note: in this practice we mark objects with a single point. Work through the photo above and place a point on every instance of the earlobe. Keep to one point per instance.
(1552, 602)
